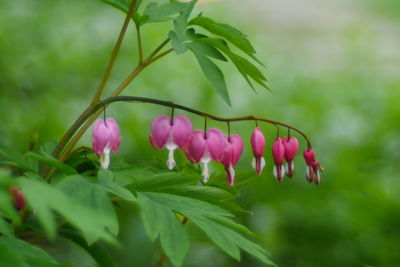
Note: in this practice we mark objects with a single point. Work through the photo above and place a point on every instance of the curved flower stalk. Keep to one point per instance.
(106, 139)
(258, 144)
(278, 153)
(232, 153)
(204, 147)
(170, 133)
(291, 145)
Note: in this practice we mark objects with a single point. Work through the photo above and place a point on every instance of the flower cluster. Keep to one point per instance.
(201, 147)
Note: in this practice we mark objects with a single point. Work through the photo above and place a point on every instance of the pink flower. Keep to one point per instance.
(291, 145)
(232, 153)
(106, 139)
(313, 166)
(278, 153)
(258, 143)
(18, 198)
(171, 134)
(204, 147)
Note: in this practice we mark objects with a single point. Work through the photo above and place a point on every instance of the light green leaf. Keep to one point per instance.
(106, 179)
(5, 227)
(81, 203)
(161, 220)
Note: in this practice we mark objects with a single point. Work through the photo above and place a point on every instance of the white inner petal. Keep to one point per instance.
(262, 164)
(253, 164)
(232, 173)
(105, 157)
(205, 173)
(171, 161)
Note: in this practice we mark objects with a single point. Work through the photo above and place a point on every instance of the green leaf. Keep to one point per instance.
(161, 220)
(16, 159)
(245, 67)
(164, 12)
(91, 196)
(50, 160)
(106, 179)
(5, 227)
(228, 32)
(123, 5)
(27, 254)
(213, 74)
(81, 203)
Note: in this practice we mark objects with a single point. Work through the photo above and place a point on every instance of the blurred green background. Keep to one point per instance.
(334, 71)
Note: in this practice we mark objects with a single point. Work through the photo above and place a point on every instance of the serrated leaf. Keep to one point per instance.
(212, 72)
(106, 179)
(161, 220)
(231, 34)
(164, 12)
(84, 206)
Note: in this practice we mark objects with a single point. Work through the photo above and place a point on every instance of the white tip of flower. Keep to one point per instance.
(105, 157)
(287, 167)
(253, 164)
(276, 172)
(232, 173)
(205, 173)
(262, 164)
(171, 161)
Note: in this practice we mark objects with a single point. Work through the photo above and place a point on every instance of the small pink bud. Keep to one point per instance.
(258, 143)
(232, 153)
(313, 166)
(18, 198)
(278, 154)
(291, 145)
(171, 134)
(204, 147)
(106, 139)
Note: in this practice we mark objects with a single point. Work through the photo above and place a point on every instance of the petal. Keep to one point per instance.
(160, 130)
(278, 151)
(101, 135)
(181, 131)
(291, 147)
(171, 161)
(257, 142)
(230, 175)
(197, 145)
(215, 143)
(237, 148)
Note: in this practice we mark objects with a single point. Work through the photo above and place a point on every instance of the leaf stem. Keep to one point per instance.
(139, 40)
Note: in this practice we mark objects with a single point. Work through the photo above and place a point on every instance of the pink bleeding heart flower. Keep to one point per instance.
(291, 145)
(204, 147)
(170, 133)
(313, 166)
(232, 153)
(106, 139)
(258, 143)
(278, 153)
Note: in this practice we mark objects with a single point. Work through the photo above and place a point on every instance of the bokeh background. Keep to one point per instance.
(334, 71)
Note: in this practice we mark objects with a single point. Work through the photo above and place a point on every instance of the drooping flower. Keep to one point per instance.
(18, 198)
(204, 147)
(170, 133)
(258, 143)
(106, 139)
(291, 145)
(232, 153)
(313, 166)
(278, 154)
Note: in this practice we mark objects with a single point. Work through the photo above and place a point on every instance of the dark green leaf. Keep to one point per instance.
(212, 73)
(5, 227)
(50, 160)
(16, 159)
(228, 32)
(26, 253)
